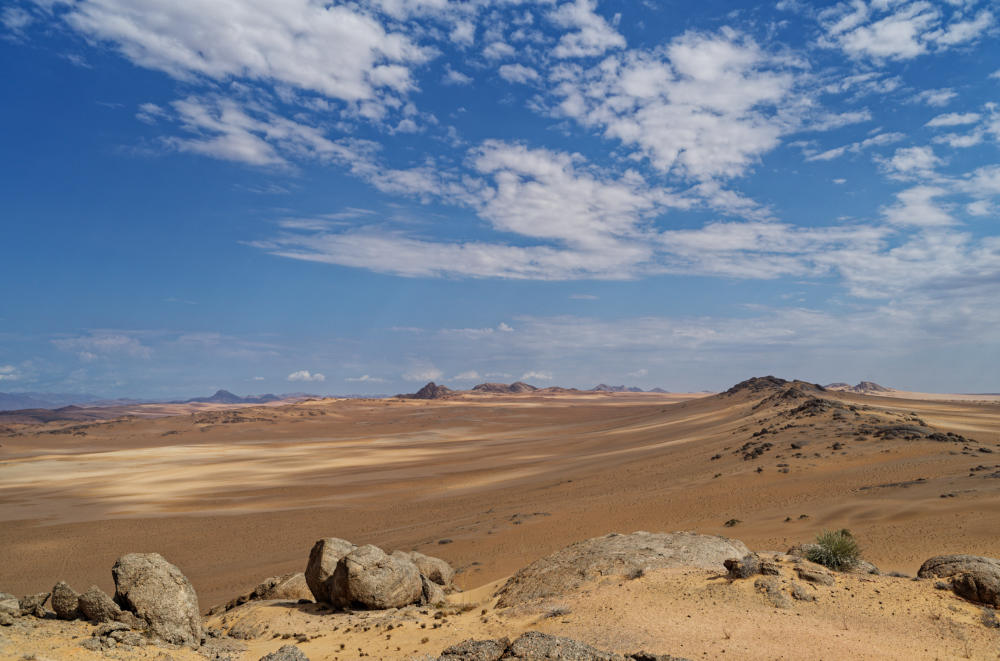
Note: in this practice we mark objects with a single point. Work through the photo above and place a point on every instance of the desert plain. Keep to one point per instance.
(493, 482)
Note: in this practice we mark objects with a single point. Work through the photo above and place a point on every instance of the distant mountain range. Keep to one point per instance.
(42, 400)
(226, 397)
(864, 388)
(603, 387)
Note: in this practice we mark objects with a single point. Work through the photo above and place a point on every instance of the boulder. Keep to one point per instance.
(9, 605)
(436, 569)
(286, 653)
(771, 589)
(566, 570)
(368, 578)
(323, 559)
(65, 601)
(973, 577)
(34, 604)
(97, 606)
(159, 595)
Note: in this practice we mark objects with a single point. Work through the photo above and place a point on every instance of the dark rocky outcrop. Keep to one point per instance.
(286, 653)
(323, 559)
(535, 646)
(369, 578)
(160, 596)
(34, 604)
(504, 389)
(745, 567)
(616, 555)
(291, 587)
(65, 601)
(430, 391)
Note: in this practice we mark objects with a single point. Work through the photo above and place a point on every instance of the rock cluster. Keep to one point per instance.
(152, 599)
(535, 645)
(347, 576)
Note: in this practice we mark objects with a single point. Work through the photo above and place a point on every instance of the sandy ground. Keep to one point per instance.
(488, 483)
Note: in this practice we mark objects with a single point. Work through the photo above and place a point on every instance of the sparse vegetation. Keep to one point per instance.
(558, 611)
(732, 522)
(836, 549)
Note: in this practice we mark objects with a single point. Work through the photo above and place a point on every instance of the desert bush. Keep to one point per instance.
(836, 549)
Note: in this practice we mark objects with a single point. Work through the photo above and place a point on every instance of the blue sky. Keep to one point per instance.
(359, 197)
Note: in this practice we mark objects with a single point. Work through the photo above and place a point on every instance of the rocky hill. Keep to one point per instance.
(504, 388)
(430, 391)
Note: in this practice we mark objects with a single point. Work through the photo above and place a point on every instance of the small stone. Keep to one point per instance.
(801, 593)
(815, 576)
(34, 604)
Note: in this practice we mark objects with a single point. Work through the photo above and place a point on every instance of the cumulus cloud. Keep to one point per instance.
(954, 119)
(306, 376)
(335, 50)
(365, 378)
(876, 140)
(706, 106)
(471, 375)
(899, 30)
(917, 206)
(101, 344)
(423, 373)
(591, 34)
(518, 73)
(534, 375)
(9, 373)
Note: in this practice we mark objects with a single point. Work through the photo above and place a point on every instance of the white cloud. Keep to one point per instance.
(455, 77)
(9, 373)
(911, 162)
(706, 106)
(518, 73)
(504, 328)
(498, 50)
(639, 373)
(936, 97)
(917, 207)
(898, 29)
(423, 373)
(592, 34)
(471, 375)
(533, 375)
(365, 378)
(16, 19)
(306, 376)
(101, 344)
(335, 50)
(954, 119)
(857, 147)
(258, 378)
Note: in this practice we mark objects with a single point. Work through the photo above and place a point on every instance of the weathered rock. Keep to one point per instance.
(9, 605)
(286, 653)
(802, 550)
(536, 646)
(745, 567)
(815, 576)
(943, 566)
(616, 555)
(65, 601)
(769, 587)
(160, 595)
(369, 578)
(974, 577)
(979, 587)
(34, 604)
(476, 650)
(431, 592)
(802, 593)
(6, 619)
(769, 568)
(862, 567)
(436, 569)
(292, 587)
(97, 606)
(323, 559)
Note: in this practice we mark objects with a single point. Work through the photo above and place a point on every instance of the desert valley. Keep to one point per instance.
(493, 480)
